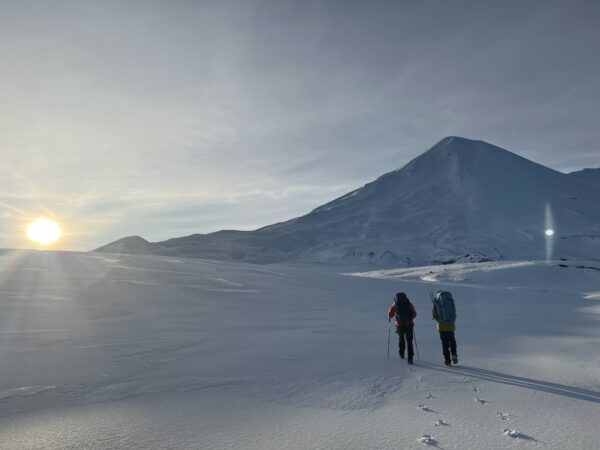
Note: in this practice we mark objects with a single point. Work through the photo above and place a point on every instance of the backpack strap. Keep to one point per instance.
(443, 307)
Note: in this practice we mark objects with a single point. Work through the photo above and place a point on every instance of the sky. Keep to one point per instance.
(167, 118)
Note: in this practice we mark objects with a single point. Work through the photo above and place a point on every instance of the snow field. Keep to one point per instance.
(151, 352)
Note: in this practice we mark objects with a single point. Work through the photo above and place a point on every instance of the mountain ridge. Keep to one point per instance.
(461, 197)
(591, 175)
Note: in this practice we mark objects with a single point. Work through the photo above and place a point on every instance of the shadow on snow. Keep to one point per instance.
(513, 380)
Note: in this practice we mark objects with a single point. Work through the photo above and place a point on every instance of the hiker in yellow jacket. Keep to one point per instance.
(444, 313)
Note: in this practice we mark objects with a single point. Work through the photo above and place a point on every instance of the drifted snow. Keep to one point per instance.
(151, 352)
(454, 272)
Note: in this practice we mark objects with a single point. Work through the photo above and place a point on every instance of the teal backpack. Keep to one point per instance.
(444, 306)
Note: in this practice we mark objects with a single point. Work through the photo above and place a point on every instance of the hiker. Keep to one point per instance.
(404, 312)
(444, 313)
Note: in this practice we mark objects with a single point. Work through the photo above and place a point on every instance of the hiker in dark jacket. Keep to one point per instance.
(404, 312)
(446, 327)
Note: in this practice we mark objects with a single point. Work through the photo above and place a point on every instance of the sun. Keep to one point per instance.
(43, 231)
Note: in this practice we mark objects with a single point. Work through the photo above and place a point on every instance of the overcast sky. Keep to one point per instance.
(166, 118)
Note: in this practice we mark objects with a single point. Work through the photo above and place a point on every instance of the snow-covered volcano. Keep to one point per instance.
(460, 200)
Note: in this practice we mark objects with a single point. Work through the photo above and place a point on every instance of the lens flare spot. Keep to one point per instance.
(43, 231)
(549, 232)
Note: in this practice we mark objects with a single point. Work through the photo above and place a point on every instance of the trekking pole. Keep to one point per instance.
(416, 344)
(389, 326)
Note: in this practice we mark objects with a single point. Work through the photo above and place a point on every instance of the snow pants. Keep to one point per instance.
(405, 334)
(448, 344)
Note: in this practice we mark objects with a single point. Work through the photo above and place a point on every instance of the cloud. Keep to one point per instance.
(180, 117)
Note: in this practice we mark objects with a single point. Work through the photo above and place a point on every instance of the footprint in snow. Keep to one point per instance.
(481, 401)
(504, 416)
(517, 435)
(475, 389)
(441, 423)
(427, 440)
(430, 396)
(426, 409)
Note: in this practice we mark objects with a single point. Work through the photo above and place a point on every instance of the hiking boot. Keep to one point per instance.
(454, 359)
(447, 362)
(410, 361)
(401, 355)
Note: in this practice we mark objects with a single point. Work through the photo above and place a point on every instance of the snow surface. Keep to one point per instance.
(590, 175)
(99, 351)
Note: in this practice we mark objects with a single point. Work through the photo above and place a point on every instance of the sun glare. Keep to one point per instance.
(43, 231)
